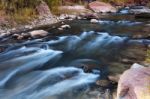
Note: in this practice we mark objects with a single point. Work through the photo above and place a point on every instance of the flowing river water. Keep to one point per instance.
(67, 64)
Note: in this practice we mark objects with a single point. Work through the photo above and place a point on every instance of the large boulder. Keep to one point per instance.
(97, 7)
(135, 83)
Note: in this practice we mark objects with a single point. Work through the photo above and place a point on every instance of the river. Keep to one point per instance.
(66, 64)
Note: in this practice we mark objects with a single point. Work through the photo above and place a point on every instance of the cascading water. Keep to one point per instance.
(65, 67)
(53, 69)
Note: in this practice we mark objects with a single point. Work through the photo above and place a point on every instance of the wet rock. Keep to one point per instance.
(99, 7)
(94, 93)
(89, 16)
(60, 29)
(66, 26)
(134, 83)
(94, 21)
(28, 27)
(72, 16)
(25, 35)
(15, 35)
(126, 61)
(114, 78)
(3, 35)
(103, 83)
(138, 36)
(20, 37)
(67, 16)
(63, 16)
(79, 18)
(38, 33)
(147, 24)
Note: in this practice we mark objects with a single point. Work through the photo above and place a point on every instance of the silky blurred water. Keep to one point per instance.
(65, 66)
(53, 69)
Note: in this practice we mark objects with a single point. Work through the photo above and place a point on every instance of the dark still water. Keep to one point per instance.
(67, 66)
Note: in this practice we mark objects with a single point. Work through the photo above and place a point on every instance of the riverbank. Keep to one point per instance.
(93, 10)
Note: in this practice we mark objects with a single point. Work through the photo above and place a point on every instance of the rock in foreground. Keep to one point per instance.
(135, 83)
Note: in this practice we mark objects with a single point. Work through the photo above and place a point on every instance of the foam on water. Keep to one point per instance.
(29, 71)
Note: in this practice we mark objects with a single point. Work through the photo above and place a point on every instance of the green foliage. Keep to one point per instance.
(116, 1)
(15, 6)
(26, 8)
(22, 10)
(52, 3)
(148, 56)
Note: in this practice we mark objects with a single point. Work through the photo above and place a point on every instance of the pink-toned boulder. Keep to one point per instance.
(43, 9)
(38, 33)
(97, 6)
(75, 9)
(134, 83)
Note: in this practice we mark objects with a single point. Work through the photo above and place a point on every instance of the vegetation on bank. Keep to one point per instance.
(22, 10)
(148, 56)
(28, 6)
